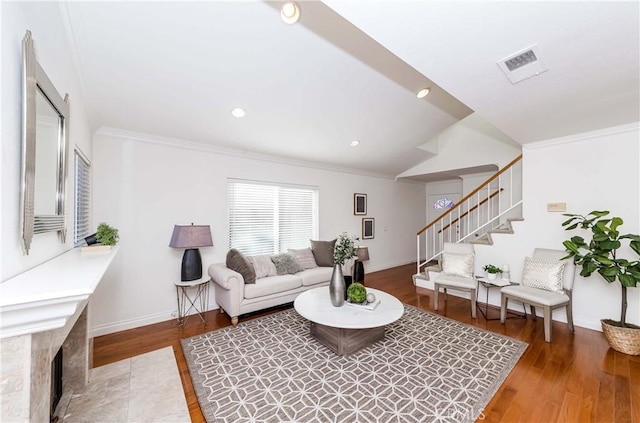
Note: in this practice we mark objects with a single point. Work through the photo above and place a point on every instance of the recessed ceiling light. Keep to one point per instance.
(290, 12)
(354, 143)
(238, 112)
(423, 92)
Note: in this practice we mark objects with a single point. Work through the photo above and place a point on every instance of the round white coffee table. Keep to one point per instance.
(347, 329)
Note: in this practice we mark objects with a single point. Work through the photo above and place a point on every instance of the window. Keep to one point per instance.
(269, 218)
(443, 203)
(82, 204)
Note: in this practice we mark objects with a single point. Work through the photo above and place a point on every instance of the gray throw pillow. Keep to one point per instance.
(286, 264)
(305, 257)
(238, 262)
(323, 252)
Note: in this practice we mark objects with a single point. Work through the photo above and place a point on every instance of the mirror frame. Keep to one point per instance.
(34, 80)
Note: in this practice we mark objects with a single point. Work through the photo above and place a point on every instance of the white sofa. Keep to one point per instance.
(236, 298)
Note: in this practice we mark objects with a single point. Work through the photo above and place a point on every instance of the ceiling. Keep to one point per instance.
(176, 69)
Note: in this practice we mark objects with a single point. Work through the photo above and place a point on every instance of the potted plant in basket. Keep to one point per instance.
(492, 271)
(600, 255)
(344, 250)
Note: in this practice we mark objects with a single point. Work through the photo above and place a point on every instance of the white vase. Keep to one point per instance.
(491, 276)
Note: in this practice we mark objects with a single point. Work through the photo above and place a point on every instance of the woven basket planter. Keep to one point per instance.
(625, 340)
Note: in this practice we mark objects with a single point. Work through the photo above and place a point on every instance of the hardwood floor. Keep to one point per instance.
(576, 378)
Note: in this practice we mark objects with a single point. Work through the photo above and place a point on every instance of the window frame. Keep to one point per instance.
(80, 158)
(274, 224)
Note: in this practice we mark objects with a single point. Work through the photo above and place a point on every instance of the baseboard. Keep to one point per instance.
(106, 329)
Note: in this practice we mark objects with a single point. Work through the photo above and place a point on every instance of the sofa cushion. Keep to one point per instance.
(239, 262)
(271, 285)
(305, 257)
(286, 264)
(263, 266)
(323, 252)
(315, 276)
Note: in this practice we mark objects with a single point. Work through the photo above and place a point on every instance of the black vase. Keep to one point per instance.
(348, 280)
(91, 239)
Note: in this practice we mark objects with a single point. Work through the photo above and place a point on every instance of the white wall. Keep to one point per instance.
(45, 21)
(471, 142)
(591, 171)
(144, 188)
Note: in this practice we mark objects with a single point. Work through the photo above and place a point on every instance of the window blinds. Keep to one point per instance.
(269, 218)
(82, 205)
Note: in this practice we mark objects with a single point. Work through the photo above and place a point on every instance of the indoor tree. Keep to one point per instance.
(600, 253)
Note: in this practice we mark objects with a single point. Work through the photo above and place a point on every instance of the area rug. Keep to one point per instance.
(427, 369)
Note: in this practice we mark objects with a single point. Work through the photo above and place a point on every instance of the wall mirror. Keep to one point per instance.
(45, 126)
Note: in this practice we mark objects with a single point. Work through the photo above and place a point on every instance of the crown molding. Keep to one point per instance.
(598, 133)
(196, 146)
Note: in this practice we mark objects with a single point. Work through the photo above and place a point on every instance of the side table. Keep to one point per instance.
(487, 287)
(198, 300)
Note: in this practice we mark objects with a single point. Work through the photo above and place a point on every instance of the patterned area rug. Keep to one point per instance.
(427, 369)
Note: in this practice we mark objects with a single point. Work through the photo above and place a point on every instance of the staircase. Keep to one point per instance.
(488, 209)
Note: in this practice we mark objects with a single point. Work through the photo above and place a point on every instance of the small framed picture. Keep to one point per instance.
(368, 227)
(360, 203)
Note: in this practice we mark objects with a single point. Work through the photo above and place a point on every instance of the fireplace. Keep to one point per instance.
(56, 382)
(42, 311)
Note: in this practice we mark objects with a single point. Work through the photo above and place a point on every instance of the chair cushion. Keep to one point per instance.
(323, 252)
(305, 257)
(239, 262)
(286, 264)
(543, 274)
(539, 296)
(458, 264)
(456, 281)
(263, 266)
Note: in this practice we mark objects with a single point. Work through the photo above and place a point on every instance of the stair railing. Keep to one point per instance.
(483, 209)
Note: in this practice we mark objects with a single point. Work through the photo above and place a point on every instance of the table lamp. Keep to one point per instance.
(191, 237)
(358, 266)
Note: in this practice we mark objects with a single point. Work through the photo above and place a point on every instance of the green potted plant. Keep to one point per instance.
(600, 254)
(107, 235)
(492, 271)
(344, 249)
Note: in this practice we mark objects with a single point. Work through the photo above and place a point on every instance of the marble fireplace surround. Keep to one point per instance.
(42, 310)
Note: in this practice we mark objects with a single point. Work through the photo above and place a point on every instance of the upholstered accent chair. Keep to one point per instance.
(457, 264)
(547, 282)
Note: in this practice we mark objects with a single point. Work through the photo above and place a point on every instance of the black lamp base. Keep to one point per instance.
(358, 271)
(191, 265)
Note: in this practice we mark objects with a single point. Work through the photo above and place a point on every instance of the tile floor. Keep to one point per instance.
(145, 388)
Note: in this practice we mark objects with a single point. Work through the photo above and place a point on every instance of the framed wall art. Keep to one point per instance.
(368, 227)
(360, 204)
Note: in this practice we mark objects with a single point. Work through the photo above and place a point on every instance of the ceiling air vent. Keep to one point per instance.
(523, 64)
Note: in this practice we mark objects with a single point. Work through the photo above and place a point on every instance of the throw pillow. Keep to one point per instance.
(305, 257)
(238, 262)
(263, 266)
(458, 264)
(286, 264)
(323, 252)
(543, 274)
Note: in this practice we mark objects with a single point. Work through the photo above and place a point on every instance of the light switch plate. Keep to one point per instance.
(556, 207)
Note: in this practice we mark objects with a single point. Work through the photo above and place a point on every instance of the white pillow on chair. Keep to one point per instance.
(543, 274)
(458, 264)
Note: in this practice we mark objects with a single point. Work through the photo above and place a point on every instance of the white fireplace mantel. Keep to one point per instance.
(45, 297)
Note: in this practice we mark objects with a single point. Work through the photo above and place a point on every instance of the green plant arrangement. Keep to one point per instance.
(490, 268)
(107, 235)
(600, 254)
(344, 249)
